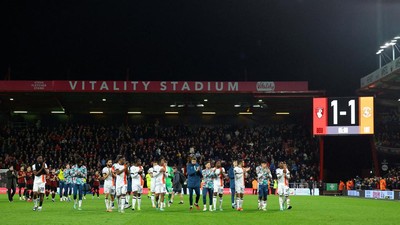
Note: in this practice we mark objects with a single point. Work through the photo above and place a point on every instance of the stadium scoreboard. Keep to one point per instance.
(343, 116)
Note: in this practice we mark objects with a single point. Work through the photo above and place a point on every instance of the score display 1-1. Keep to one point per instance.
(343, 116)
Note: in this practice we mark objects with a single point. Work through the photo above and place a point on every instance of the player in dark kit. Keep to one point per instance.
(53, 184)
(48, 184)
(28, 193)
(96, 184)
(21, 182)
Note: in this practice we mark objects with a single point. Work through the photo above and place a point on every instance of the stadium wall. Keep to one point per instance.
(374, 194)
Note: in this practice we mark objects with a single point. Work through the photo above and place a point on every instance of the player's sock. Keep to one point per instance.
(122, 205)
(264, 204)
(139, 202)
(128, 198)
(259, 204)
(284, 201)
(134, 198)
(280, 202)
(80, 203)
(288, 202)
(169, 197)
(241, 202)
(220, 202)
(35, 202)
(106, 202)
(152, 200)
(215, 202)
(237, 202)
(110, 204)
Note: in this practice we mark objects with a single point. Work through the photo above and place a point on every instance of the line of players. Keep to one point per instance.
(116, 183)
(37, 185)
(213, 178)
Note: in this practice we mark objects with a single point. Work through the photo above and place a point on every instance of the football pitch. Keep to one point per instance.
(306, 210)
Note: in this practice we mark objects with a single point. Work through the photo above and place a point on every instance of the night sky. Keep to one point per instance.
(331, 44)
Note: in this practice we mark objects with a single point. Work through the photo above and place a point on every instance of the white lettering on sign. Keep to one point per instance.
(198, 86)
(73, 85)
(155, 86)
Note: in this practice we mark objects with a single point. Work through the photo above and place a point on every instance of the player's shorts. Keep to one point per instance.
(153, 186)
(283, 190)
(121, 190)
(177, 190)
(218, 189)
(53, 188)
(109, 188)
(160, 189)
(21, 185)
(39, 187)
(262, 190)
(239, 189)
(29, 186)
(137, 188)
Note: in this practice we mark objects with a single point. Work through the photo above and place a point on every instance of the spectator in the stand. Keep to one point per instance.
(254, 184)
(349, 185)
(11, 183)
(310, 184)
(382, 184)
(341, 187)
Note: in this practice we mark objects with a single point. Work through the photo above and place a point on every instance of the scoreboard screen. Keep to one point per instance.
(343, 116)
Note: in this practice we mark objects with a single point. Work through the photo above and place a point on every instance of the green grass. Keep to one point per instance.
(306, 210)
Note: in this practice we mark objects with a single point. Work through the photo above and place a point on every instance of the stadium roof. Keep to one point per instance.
(294, 98)
(384, 84)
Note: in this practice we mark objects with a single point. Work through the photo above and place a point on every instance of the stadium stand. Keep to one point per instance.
(96, 143)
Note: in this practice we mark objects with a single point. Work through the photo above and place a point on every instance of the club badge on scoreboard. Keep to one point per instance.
(367, 112)
(319, 111)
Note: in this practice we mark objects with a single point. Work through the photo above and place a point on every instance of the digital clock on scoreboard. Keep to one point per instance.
(342, 116)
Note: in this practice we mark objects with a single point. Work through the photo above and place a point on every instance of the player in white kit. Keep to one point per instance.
(152, 186)
(137, 183)
(109, 184)
(283, 176)
(121, 172)
(240, 175)
(39, 170)
(160, 189)
(218, 185)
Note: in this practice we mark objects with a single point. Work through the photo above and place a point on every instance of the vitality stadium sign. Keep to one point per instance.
(153, 86)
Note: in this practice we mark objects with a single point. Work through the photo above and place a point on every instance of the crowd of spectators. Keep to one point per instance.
(97, 143)
(391, 181)
(387, 131)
